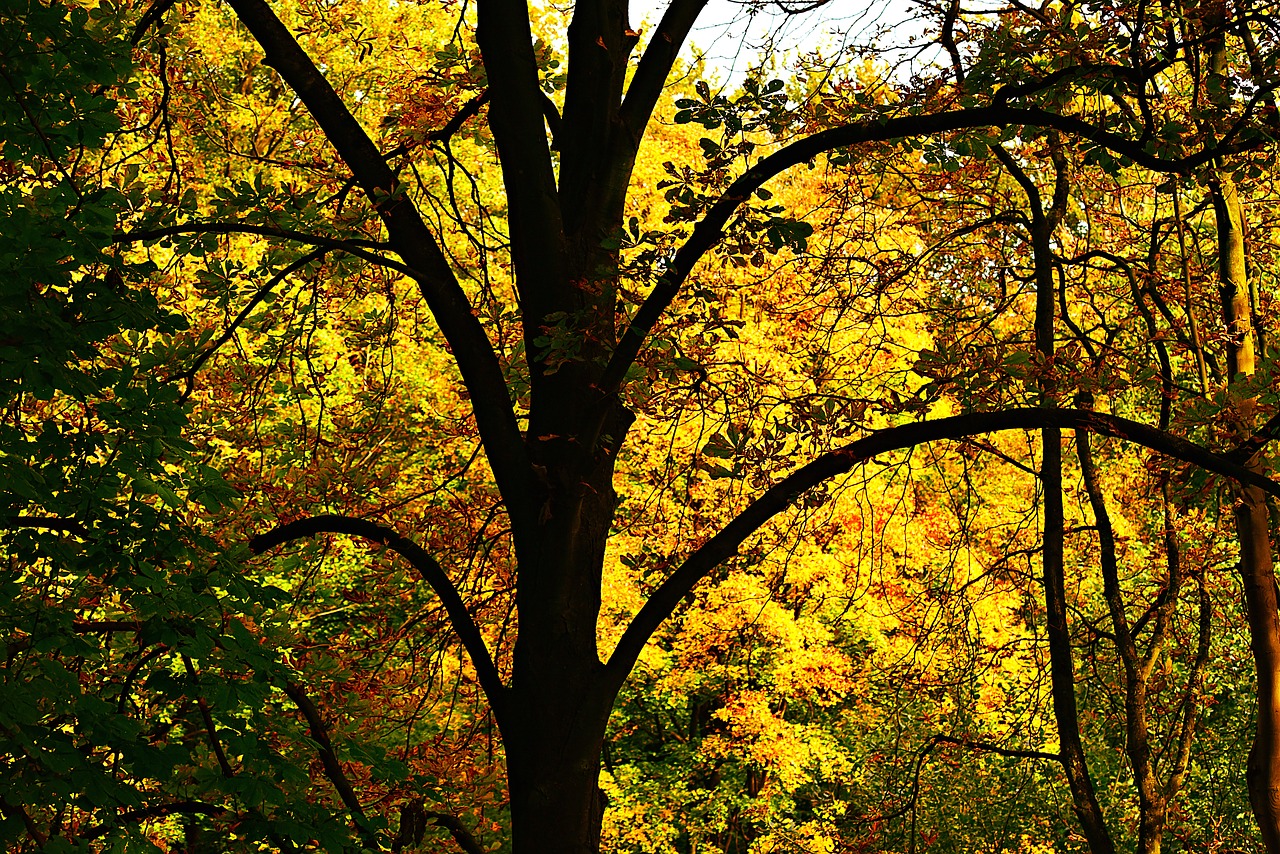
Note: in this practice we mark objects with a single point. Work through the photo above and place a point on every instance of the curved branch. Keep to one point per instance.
(708, 230)
(427, 567)
(357, 248)
(154, 15)
(267, 287)
(779, 497)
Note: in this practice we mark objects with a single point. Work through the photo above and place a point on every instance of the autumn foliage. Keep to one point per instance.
(440, 426)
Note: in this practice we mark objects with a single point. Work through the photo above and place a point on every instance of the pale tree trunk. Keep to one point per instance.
(1252, 518)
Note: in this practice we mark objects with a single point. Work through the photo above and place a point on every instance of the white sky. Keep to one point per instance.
(732, 37)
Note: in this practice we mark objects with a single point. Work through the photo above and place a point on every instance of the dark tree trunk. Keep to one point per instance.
(553, 767)
(1071, 751)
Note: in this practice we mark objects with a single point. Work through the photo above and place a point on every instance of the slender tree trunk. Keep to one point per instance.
(1252, 518)
(1258, 576)
(1136, 669)
(1251, 513)
(1061, 668)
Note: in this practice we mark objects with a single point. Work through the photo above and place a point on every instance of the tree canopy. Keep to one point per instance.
(489, 427)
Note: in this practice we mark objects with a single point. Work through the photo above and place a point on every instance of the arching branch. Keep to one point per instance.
(782, 495)
(708, 230)
(262, 293)
(427, 567)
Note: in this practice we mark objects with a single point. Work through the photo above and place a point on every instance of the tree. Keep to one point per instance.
(552, 366)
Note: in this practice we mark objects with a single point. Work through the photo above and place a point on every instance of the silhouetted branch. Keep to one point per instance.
(258, 296)
(329, 759)
(245, 228)
(426, 566)
(417, 245)
(842, 460)
(708, 230)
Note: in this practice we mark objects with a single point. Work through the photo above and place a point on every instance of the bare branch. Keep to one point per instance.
(156, 811)
(413, 826)
(469, 109)
(466, 841)
(245, 228)
(518, 123)
(1249, 448)
(427, 567)
(211, 729)
(267, 287)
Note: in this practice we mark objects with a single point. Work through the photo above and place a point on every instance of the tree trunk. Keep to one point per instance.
(1136, 669)
(1061, 668)
(1252, 518)
(556, 802)
(559, 690)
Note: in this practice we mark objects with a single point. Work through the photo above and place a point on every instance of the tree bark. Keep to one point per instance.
(1257, 569)
(553, 769)
(1252, 520)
